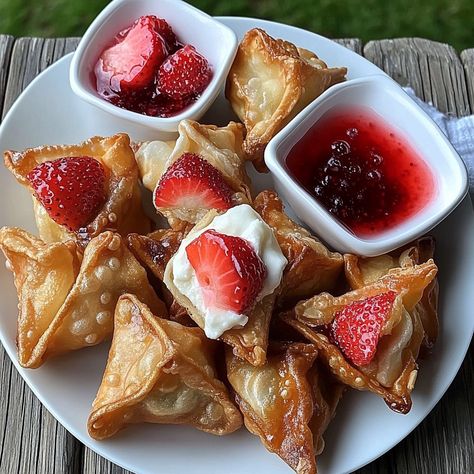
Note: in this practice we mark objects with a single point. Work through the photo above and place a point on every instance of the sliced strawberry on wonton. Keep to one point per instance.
(370, 338)
(230, 273)
(192, 183)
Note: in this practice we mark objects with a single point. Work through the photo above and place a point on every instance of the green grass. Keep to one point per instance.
(449, 21)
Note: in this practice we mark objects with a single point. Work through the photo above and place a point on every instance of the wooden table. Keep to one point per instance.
(32, 441)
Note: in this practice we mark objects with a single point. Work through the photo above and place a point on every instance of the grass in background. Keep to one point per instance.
(449, 21)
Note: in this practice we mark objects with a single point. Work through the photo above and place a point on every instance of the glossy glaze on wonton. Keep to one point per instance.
(159, 372)
(270, 81)
(248, 342)
(121, 212)
(154, 251)
(219, 146)
(66, 299)
(361, 271)
(283, 402)
(392, 372)
(311, 268)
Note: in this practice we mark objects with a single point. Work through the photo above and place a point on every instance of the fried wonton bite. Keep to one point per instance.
(121, 209)
(362, 271)
(154, 251)
(66, 299)
(283, 402)
(219, 147)
(159, 372)
(311, 268)
(370, 337)
(249, 341)
(270, 81)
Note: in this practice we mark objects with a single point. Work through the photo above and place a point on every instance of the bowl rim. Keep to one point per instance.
(339, 233)
(159, 123)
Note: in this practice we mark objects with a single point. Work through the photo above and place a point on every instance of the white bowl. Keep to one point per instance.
(212, 39)
(388, 100)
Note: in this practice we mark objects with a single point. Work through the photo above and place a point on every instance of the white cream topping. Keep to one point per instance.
(240, 221)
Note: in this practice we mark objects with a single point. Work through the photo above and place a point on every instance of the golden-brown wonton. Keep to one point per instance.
(362, 271)
(122, 210)
(283, 402)
(393, 370)
(311, 268)
(159, 372)
(270, 81)
(248, 342)
(219, 146)
(66, 299)
(154, 251)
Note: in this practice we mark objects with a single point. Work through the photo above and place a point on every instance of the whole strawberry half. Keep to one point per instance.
(184, 73)
(191, 182)
(356, 328)
(229, 272)
(72, 190)
(132, 62)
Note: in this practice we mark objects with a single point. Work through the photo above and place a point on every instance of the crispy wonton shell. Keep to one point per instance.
(122, 211)
(270, 81)
(66, 300)
(248, 342)
(154, 251)
(392, 372)
(282, 402)
(159, 372)
(311, 268)
(219, 146)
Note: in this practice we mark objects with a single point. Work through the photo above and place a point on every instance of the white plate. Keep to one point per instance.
(364, 428)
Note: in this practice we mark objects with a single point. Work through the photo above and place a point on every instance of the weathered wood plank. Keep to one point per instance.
(444, 442)
(433, 69)
(355, 44)
(6, 45)
(467, 57)
(31, 440)
(30, 56)
(93, 464)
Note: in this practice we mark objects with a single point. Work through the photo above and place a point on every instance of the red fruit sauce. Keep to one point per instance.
(362, 171)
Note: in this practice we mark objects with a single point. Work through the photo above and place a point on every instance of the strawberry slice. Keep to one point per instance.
(356, 328)
(131, 63)
(193, 183)
(184, 73)
(230, 273)
(72, 190)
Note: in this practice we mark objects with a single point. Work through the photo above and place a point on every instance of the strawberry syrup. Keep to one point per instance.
(362, 171)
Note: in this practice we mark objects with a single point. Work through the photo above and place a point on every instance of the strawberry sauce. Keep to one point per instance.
(362, 171)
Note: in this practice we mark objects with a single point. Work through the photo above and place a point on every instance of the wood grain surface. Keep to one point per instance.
(32, 441)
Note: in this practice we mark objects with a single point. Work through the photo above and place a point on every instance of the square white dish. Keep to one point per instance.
(364, 427)
(212, 39)
(388, 101)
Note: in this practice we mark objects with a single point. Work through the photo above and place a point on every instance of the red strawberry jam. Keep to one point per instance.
(362, 171)
(147, 70)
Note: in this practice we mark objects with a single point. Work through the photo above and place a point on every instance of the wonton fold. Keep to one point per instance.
(221, 147)
(159, 372)
(311, 268)
(370, 338)
(66, 300)
(287, 402)
(121, 210)
(270, 81)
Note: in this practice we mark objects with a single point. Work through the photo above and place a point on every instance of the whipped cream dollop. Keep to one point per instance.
(240, 221)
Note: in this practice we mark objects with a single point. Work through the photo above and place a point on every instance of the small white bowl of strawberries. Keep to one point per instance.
(153, 62)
